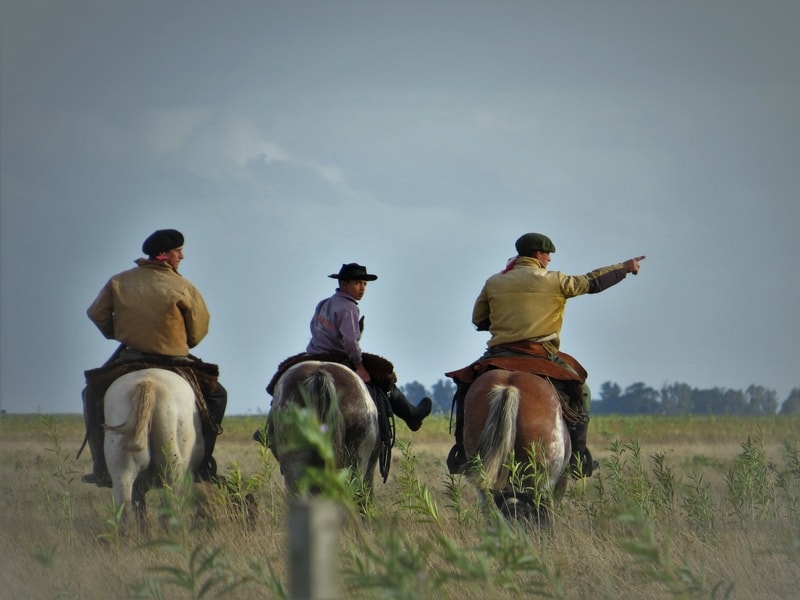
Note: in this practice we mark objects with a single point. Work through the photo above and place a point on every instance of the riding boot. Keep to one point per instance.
(412, 415)
(207, 471)
(95, 437)
(581, 462)
(457, 457)
(216, 401)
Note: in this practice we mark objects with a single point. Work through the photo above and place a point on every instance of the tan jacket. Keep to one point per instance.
(151, 308)
(528, 302)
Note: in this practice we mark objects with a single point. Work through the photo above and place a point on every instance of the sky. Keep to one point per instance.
(418, 138)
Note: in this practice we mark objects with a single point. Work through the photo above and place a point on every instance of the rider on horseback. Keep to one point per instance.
(157, 316)
(336, 329)
(523, 308)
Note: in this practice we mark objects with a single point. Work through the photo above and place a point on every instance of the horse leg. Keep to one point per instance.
(362, 451)
(139, 505)
(124, 468)
(293, 466)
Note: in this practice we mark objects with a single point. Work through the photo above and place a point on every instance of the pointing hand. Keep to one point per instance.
(632, 264)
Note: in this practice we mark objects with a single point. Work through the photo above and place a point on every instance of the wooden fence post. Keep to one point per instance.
(314, 550)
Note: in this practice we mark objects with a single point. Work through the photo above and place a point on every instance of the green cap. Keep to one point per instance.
(531, 242)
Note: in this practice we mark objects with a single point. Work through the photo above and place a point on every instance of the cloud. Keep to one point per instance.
(169, 132)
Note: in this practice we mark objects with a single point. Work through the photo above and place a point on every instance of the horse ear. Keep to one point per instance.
(361, 324)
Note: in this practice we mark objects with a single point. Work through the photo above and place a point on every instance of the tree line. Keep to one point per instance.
(640, 399)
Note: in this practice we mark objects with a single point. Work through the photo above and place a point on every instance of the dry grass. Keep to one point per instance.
(622, 534)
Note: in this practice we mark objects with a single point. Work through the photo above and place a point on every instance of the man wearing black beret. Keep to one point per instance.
(156, 315)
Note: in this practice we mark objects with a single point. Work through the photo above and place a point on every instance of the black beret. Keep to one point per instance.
(162, 240)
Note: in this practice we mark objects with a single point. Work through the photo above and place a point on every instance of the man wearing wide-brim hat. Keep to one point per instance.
(336, 329)
(337, 326)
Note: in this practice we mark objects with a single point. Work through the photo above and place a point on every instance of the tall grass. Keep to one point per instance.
(686, 508)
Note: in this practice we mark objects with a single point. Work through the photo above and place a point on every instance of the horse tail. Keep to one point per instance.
(322, 388)
(135, 430)
(496, 441)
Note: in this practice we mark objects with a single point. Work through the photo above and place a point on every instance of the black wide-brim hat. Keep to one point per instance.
(353, 272)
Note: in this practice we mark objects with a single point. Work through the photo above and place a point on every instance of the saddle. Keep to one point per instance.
(380, 370)
(202, 376)
(529, 357)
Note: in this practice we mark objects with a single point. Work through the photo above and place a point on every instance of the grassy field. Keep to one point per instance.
(681, 507)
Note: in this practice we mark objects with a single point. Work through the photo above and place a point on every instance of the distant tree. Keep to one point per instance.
(717, 401)
(676, 399)
(761, 401)
(610, 391)
(414, 391)
(791, 406)
(640, 399)
(609, 403)
(442, 395)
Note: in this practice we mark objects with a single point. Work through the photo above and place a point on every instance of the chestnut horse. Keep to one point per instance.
(342, 405)
(513, 412)
(153, 434)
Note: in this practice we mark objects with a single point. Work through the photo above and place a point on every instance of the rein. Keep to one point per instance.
(385, 428)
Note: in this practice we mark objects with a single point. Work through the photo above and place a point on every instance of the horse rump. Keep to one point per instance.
(314, 397)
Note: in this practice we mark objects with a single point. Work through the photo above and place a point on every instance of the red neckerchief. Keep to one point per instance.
(510, 264)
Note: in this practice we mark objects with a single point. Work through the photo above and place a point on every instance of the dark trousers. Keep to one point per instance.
(216, 401)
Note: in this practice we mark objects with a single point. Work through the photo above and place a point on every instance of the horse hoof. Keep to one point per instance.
(98, 480)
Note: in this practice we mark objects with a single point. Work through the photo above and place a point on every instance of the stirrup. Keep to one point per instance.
(457, 459)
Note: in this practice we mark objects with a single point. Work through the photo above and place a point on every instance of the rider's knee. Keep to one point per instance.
(586, 398)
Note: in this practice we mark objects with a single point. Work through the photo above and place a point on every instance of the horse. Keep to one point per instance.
(519, 413)
(153, 434)
(341, 405)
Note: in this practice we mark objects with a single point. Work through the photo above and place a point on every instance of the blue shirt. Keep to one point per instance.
(335, 327)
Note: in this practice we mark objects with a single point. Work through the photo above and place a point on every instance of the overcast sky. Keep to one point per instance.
(419, 138)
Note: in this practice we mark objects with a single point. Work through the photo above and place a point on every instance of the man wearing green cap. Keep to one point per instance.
(523, 308)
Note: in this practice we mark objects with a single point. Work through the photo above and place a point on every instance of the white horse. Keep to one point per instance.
(342, 404)
(153, 434)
